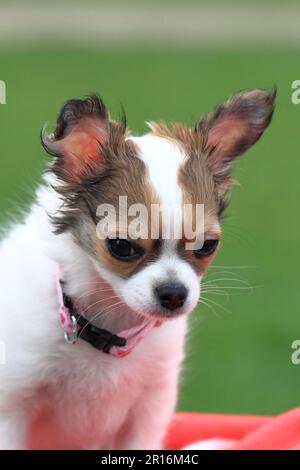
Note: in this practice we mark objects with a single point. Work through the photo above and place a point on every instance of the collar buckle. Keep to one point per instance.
(71, 334)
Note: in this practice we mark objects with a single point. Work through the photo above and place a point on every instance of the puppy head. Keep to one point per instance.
(158, 182)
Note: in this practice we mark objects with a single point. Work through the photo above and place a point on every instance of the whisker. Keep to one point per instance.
(98, 302)
(215, 266)
(205, 302)
(212, 286)
(103, 313)
(238, 280)
(97, 291)
(217, 304)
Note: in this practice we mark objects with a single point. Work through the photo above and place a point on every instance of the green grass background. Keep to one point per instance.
(239, 359)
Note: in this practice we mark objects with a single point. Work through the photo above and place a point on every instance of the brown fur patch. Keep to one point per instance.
(125, 174)
(200, 265)
(126, 269)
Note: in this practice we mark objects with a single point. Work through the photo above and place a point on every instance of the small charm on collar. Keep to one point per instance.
(71, 337)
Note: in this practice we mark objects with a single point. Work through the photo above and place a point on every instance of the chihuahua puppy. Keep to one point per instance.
(93, 317)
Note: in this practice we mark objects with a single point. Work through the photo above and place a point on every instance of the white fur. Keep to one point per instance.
(163, 159)
(85, 398)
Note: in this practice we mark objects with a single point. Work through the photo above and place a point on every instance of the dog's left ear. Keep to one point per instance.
(233, 127)
(80, 136)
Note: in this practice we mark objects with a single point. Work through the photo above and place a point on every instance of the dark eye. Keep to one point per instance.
(124, 250)
(207, 249)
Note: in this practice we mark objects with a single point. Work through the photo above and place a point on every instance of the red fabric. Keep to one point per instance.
(249, 432)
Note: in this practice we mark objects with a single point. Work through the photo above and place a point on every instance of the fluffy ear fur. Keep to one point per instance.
(81, 134)
(233, 127)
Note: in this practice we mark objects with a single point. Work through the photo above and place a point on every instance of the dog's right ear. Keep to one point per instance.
(80, 136)
(233, 127)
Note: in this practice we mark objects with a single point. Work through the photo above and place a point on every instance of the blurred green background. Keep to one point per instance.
(239, 349)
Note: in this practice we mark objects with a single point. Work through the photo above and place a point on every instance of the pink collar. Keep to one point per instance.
(77, 327)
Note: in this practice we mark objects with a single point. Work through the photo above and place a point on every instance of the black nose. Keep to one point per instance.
(171, 295)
